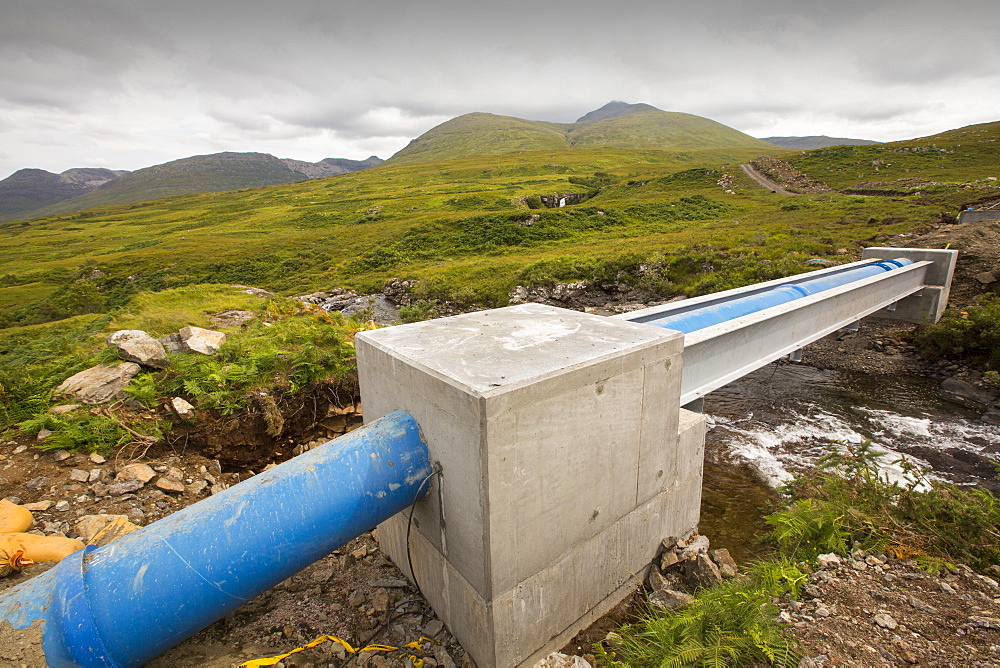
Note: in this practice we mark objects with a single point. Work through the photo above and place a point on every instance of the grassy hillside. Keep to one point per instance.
(200, 173)
(663, 130)
(816, 141)
(482, 134)
(968, 155)
(614, 126)
(28, 190)
(462, 227)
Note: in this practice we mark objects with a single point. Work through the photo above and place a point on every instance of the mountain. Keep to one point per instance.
(29, 189)
(816, 141)
(616, 125)
(35, 192)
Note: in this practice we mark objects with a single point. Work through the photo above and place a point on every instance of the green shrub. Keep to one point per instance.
(847, 501)
(974, 332)
(730, 624)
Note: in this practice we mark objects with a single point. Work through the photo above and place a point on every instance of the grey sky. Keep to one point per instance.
(130, 83)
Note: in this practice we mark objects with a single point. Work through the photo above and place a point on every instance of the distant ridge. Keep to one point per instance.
(28, 189)
(616, 125)
(35, 192)
(614, 109)
(816, 141)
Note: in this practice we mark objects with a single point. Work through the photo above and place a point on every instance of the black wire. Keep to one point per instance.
(390, 617)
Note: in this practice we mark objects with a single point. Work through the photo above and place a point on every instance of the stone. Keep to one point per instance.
(725, 562)
(985, 622)
(36, 483)
(61, 506)
(136, 471)
(38, 506)
(702, 572)
(120, 488)
(170, 485)
(215, 489)
(904, 651)
(43, 435)
(559, 660)
(96, 458)
(668, 559)
(986, 277)
(947, 588)
(174, 473)
(885, 620)
(61, 455)
(95, 474)
(381, 601)
(966, 390)
(921, 605)
(356, 599)
(696, 547)
(79, 475)
(197, 487)
(828, 560)
(812, 591)
(98, 384)
(433, 627)
(183, 409)
(199, 340)
(135, 345)
(669, 599)
(390, 583)
(63, 409)
(19, 449)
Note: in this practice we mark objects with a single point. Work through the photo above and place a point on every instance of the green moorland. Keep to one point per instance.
(469, 229)
(956, 162)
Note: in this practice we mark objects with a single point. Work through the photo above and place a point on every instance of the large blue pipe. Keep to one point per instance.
(129, 601)
(714, 314)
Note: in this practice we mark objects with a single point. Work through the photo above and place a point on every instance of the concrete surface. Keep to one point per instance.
(565, 457)
(928, 305)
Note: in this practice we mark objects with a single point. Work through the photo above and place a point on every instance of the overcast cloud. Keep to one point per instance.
(131, 83)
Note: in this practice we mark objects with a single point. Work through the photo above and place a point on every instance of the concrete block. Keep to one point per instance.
(562, 448)
(926, 306)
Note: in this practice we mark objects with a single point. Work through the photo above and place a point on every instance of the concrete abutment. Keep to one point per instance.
(566, 458)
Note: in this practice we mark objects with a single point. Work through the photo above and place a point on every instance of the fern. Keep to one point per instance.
(729, 624)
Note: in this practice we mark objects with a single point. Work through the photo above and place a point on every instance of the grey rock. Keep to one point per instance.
(967, 390)
(812, 591)
(200, 340)
(36, 483)
(921, 605)
(389, 583)
(696, 547)
(947, 588)
(137, 346)
(123, 487)
(702, 572)
(79, 475)
(829, 560)
(96, 458)
(885, 620)
(433, 627)
(725, 562)
(61, 455)
(98, 384)
(985, 622)
(669, 599)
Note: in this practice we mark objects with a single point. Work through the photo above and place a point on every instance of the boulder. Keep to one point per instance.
(702, 572)
(726, 563)
(199, 340)
(99, 383)
(135, 345)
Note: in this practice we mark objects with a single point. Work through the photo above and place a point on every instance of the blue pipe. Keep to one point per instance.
(129, 601)
(714, 314)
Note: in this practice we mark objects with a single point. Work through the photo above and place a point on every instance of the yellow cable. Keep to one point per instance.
(270, 661)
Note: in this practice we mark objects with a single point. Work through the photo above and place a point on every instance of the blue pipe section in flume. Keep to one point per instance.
(714, 314)
(131, 600)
